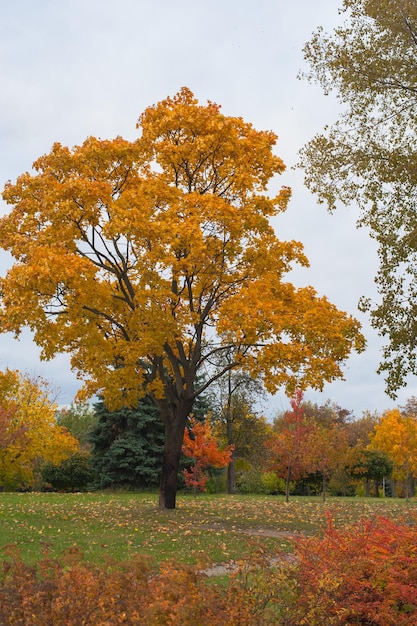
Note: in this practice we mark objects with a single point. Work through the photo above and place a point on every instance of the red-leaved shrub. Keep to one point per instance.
(365, 574)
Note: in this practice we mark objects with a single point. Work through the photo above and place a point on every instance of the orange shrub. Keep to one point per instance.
(75, 593)
(366, 574)
(362, 575)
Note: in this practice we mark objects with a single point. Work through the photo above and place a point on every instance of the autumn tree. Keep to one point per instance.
(144, 258)
(327, 414)
(201, 446)
(289, 443)
(31, 434)
(360, 430)
(396, 435)
(368, 157)
(326, 450)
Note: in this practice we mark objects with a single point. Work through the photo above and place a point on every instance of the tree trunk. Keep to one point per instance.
(174, 435)
(231, 477)
(231, 473)
(287, 484)
(407, 484)
(324, 487)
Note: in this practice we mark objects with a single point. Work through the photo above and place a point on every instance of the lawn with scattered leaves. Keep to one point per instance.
(205, 530)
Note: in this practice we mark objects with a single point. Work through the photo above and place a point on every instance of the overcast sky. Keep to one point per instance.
(75, 68)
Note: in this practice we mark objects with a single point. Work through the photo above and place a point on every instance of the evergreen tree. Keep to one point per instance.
(127, 446)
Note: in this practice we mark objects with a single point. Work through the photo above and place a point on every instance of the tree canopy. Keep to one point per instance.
(144, 258)
(368, 157)
(29, 433)
(396, 435)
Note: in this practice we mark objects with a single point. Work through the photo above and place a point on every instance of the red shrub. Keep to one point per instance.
(365, 574)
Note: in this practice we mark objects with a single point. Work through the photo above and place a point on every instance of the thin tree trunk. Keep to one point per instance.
(231, 470)
(324, 487)
(407, 484)
(287, 484)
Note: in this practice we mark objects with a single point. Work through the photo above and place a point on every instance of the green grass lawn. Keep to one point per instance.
(206, 529)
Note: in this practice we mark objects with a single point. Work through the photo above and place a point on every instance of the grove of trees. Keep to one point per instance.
(307, 450)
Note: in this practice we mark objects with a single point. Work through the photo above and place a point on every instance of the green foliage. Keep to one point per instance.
(254, 480)
(73, 474)
(374, 465)
(127, 446)
(249, 479)
(217, 481)
(272, 483)
(79, 419)
(368, 156)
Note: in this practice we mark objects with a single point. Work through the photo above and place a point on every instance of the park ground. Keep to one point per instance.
(206, 530)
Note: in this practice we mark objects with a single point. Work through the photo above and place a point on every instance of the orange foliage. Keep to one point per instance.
(327, 449)
(72, 592)
(145, 252)
(364, 574)
(289, 445)
(29, 433)
(201, 446)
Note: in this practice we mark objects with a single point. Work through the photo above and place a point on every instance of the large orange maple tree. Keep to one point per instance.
(144, 258)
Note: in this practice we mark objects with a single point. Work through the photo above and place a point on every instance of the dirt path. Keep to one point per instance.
(223, 569)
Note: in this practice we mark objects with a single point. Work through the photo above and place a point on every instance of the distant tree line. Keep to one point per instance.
(309, 449)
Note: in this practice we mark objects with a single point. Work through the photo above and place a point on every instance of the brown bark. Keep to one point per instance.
(231, 477)
(287, 484)
(174, 435)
